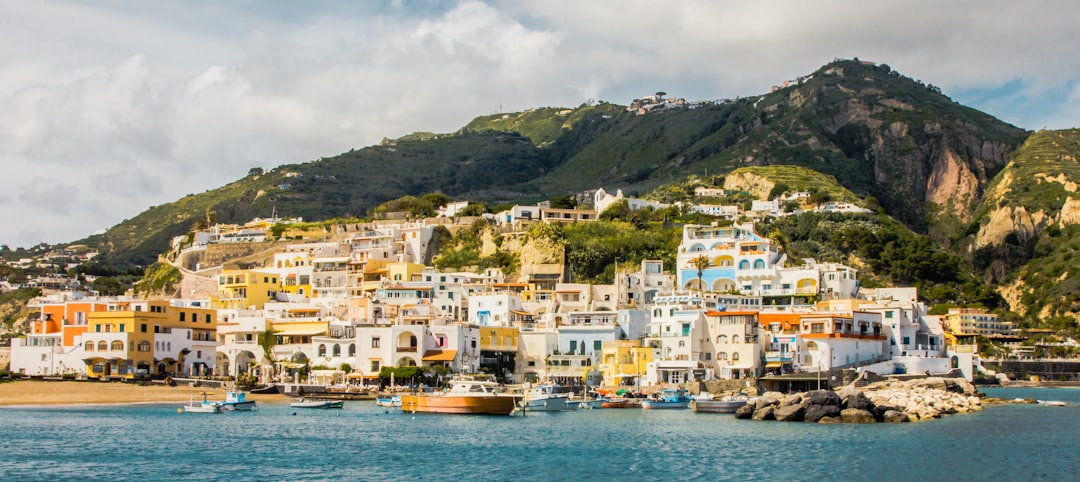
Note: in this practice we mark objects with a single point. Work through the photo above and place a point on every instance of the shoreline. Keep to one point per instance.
(33, 393)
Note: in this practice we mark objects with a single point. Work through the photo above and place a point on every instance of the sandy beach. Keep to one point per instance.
(73, 393)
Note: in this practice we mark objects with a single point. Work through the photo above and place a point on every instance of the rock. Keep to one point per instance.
(829, 420)
(765, 413)
(789, 413)
(791, 400)
(765, 401)
(824, 397)
(880, 410)
(895, 416)
(744, 412)
(856, 415)
(814, 412)
(859, 401)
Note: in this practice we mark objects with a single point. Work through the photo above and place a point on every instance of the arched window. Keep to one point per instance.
(337, 350)
(735, 356)
(322, 350)
(118, 345)
(144, 345)
(744, 264)
(721, 356)
(734, 338)
(352, 349)
(102, 345)
(89, 346)
(721, 339)
(759, 264)
(682, 343)
(810, 345)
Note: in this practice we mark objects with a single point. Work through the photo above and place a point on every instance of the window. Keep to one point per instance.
(322, 350)
(89, 346)
(123, 328)
(182, 315)
(735, 356)
(597, 345)
(352, 349)
(117, 345)
(142, 328)
(682, 343)
(374, 366)
(102, 346)
(375, 343)
(721, 356)
(337, 350)
(208, 317)
(888, 314)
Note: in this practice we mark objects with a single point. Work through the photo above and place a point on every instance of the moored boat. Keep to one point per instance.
(614, 403)
(669, 398)
(466, 395)
(706, 403)
(236, 400)
(544, 398)
(394, 401)
(318, 403)
(204, 407)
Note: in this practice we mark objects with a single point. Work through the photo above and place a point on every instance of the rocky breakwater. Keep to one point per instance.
(889, 401)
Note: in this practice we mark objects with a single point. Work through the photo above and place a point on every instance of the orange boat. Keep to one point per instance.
(466, 395)
(614, 403)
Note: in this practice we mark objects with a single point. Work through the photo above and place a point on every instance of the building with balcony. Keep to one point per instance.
(625, 362)
(969, 321)
(245, 289)
(732, 349)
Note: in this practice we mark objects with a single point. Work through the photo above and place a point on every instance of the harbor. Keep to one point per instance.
(364, 441)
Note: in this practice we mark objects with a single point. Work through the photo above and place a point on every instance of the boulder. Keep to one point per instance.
(794, 399)
(745, 411)
(829, 420)
(824, 397)
(895, 416)
(881, 410)
(766, 401)
(856, 415)
(765, 413)
(789, 413)
(859, 401)
(814, 412)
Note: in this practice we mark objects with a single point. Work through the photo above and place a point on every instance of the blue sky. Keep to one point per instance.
(110, 107)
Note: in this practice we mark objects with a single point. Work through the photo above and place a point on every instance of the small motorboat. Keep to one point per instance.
(706, 403)
(317, 403)
(394, 401)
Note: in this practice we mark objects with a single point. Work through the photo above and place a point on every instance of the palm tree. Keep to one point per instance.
(702, 263)
(267, 341)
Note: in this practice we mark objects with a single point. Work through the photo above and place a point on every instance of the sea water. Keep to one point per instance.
(367, 442)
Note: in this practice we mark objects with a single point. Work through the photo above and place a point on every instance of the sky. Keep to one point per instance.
(109, 107)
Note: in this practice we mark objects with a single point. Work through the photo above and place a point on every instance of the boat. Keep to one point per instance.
(204, 407)
(317, 403)
(614, 403)
(544, 398)
(235, 400)
(394, 401)
(706, 403)
(587, 403)
(669, 398)
(466, 395)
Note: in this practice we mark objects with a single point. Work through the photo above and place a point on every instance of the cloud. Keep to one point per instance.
(128, 105)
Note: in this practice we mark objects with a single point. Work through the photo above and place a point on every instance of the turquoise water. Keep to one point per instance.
(365, 442)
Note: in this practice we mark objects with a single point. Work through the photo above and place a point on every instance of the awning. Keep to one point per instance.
(774, 364)
(440, 355)
(308, 332)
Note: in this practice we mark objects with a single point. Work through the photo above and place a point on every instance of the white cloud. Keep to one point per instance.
(125, 105)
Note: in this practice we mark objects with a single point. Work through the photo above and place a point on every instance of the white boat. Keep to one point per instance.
(394, 401)
(204, 407)
(543, 398)
(468, 394)
(317, 403)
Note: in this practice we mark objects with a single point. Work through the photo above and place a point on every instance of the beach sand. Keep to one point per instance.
(73, 393)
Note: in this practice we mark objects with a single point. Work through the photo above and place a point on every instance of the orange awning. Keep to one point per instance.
(440, 355)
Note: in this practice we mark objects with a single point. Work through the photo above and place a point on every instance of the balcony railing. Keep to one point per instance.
(406, 349)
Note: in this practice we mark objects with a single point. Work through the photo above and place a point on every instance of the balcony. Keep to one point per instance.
(406, 349)
(775, 356)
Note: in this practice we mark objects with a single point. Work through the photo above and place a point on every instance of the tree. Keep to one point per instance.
(701, 263)
(267, 341)
(108, 286)
(255, 171)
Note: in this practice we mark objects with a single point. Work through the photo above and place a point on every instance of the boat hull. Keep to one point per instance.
(658, 405)
(613, 404)
(319, 404)
(239, 406)
(477, 405)
(718, 406)
(203, 409)
(591, 404)
(553, 404)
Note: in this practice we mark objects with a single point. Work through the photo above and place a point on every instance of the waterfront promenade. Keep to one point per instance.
(27, 392)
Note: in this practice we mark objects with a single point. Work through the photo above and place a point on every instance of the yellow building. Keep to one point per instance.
(624, 361)
(969, 321)
(138, 339)
(402, 271)
(245, 289)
